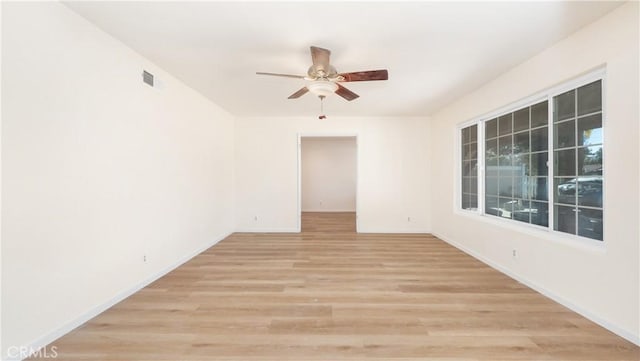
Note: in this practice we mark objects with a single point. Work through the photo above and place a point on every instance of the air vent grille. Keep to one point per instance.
(147, 78)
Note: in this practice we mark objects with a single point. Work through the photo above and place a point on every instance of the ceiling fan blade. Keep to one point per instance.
(284, 75)
(299, 93)
(346, 93)
(366, 75)
(320, 56)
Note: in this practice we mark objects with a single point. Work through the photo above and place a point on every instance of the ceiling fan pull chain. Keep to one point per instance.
(322, 116)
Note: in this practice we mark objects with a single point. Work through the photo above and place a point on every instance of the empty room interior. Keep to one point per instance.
(320, 180)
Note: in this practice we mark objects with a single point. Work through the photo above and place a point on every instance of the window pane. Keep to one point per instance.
(464, 201)
(505, 187)
(505, 169)
(473, 201)
(471, 151)
(539, 163)
(564, 106)
(565, 219)
(504, 145)
(521, 120)
(590, 223)
(491, 206)
(539, 139)
(492, 166)
(491, 148)
(466, 168)
(465, 185)
(520, 187)
(590, 98)
(521, 142)
(469, 201)
(590, 160)
(473, 133)
(565, 189)
(506, 207)
(539, 114)
(491, 186)
(491, 128)
(537, 188)
(540, 213)
(521, 211)
(565, 162)
(590, 191)
(565, 134)
(505, 124)
(521, 164)
(473, 185)
(590, 130)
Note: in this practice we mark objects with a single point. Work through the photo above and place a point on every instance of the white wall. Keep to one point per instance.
(602, 283)
(98, 170)
(329, 174)
(393, 166)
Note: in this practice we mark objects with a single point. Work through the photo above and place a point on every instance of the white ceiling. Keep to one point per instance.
(435, 51)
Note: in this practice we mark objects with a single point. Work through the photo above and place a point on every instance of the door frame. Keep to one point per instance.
(325, 135)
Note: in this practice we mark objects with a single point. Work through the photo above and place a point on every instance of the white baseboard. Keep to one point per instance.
(324, 210)
(559, 299)
(95, 311)
(393, 230)
(267, 230)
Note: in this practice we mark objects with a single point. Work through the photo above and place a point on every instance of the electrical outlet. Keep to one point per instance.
(144, 258)
(514, 253)
(255, 218)
(408, 219)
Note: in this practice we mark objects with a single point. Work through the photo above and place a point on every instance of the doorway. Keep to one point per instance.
(327, 183)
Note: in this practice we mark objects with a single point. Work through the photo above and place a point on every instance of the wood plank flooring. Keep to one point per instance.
(331, 294)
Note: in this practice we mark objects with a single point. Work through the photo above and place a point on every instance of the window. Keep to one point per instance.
(515, 156)
(577, 142)
(537, 170)
(470, 167)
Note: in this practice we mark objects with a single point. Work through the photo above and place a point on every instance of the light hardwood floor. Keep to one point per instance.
(331, 294)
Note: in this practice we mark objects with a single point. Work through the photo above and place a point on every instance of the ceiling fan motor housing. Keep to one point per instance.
(318, 71)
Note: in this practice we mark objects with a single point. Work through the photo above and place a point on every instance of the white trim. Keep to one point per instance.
(267, 230)
(299, 183)
(69, 326)
(546, 292)
(396, 230)
(325, 135)
(321, 210)
(551, 192)
(481, 169)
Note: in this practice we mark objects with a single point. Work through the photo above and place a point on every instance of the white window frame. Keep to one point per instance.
(545, 95)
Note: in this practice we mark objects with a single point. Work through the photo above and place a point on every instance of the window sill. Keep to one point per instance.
(569, 240)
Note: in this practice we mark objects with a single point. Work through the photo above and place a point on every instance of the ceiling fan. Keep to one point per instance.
(324, 79)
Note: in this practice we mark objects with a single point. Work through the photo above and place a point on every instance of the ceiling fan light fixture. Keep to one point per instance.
(322, 87)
